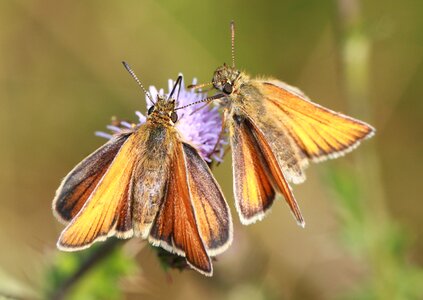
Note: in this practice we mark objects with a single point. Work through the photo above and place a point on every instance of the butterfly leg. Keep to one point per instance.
(222, 131)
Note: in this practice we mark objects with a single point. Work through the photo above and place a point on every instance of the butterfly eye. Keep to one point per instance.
(150, 110)
(227, 88)
(174, 117)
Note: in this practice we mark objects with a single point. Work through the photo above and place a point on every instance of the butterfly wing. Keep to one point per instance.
(78, 185)
(175, 228)
(250, 102)
(253, 190)
(257, 174)
(211, 210)
(319, 132)
(106, 212)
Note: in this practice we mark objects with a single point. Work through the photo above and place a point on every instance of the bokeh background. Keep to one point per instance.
(61, 79)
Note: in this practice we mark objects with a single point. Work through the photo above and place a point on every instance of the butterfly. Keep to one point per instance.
(146, 182)
(275, 130)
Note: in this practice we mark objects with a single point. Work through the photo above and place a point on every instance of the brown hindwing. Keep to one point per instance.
(253, 187)
(257, 173)
(211, 210)
(278, 177)
(175, 228)
(82, 180)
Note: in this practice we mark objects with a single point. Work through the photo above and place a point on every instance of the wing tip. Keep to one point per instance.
(206, 271)
(370, 133)
(298, 216)
(172, 249)
(301, 223)
(55, 205)
(59, 216)
(333, 155)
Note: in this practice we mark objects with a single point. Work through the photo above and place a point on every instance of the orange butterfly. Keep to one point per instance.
(146, 182)
(275, 130)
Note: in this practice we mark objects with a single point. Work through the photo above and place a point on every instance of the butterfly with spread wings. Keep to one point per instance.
(150, 183)
(275, 130)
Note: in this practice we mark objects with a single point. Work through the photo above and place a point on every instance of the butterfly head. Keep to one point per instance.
(224, 78)
(163, 111)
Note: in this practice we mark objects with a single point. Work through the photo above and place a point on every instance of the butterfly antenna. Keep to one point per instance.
(128, 68)
(199, 86)
(179, 89)
(200, 108)
(178, 82)
(208, 99)
(233, 43)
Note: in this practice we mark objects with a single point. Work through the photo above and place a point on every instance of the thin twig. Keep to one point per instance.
(93, 260)
(11, 297)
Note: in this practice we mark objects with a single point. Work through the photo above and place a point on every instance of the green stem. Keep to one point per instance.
(105, 250)
(355, 46)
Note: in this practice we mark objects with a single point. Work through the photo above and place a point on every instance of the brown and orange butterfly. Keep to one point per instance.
(150, 183)
(275, 130)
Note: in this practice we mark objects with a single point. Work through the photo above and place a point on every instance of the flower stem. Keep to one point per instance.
(95, 258)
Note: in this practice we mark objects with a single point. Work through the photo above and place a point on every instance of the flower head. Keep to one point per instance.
(199, 124)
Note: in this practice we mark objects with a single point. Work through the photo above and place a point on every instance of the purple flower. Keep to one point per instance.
(198, 124)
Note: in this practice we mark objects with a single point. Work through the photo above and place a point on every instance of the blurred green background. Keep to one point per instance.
(61, 79)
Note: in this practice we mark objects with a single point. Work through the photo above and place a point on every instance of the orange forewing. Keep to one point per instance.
(278, 177)
(211, 210)
(318, 131)
(105, 207)
(253, 188)
(82, 180)
(175, 227)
